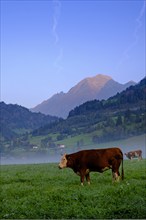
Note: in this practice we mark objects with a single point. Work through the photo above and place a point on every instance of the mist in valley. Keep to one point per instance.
(133, 143)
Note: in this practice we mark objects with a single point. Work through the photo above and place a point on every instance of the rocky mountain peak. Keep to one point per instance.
(96, 87)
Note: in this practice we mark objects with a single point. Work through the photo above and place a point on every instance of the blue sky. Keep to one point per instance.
(49, 46)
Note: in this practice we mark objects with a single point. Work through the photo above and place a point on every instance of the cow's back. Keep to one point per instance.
(96, 159)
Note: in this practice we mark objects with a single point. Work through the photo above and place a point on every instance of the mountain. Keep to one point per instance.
(98, 87)
(120, 116)
(16, 120)
(132, 98)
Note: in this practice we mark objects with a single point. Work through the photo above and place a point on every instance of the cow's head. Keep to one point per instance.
(128, 155)
(63, 162)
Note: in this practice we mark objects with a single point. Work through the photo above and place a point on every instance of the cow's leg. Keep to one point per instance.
(116, 177)
(113, 176)
(84, 172)
(115, 170)
(88, 178)
(140, 156)
(82, 179)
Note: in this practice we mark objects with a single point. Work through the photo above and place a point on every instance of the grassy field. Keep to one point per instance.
(42, 191)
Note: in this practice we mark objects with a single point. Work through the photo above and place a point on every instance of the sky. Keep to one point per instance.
(48, 46)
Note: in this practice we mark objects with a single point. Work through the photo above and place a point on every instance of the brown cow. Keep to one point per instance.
(134, 154)
(100, 160)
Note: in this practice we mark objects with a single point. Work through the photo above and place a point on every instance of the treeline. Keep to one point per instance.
(16, 120)
(108, 126)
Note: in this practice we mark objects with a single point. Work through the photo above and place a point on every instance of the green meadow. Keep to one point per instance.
(42, 191)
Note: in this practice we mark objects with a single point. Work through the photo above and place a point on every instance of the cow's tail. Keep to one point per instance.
(122, 175)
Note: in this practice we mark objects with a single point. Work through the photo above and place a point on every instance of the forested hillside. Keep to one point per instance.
(16, 120)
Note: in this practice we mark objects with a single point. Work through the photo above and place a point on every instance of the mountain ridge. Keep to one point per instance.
(97, 87)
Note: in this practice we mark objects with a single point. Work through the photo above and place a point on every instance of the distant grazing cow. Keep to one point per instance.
(134, 154)
(100, 160)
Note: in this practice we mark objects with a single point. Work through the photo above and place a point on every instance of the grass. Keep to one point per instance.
(87, 139)
(72, 141)
(42, 191)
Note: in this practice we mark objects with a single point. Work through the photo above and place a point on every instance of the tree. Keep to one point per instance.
(119, 121)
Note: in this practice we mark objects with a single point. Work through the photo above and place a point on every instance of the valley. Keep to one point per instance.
(25, 134)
